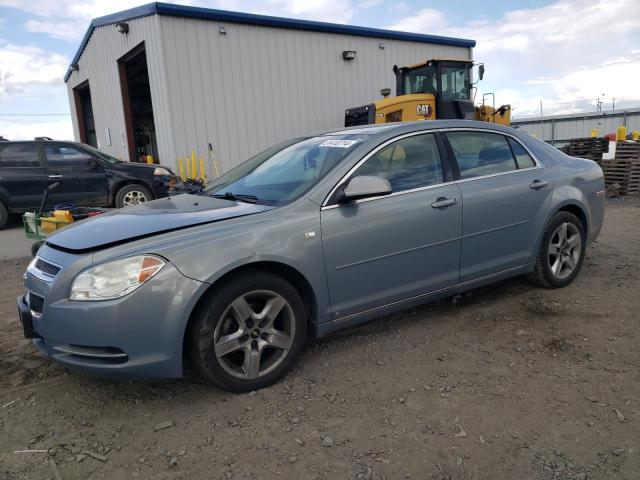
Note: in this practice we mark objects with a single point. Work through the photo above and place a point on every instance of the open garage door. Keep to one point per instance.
(138, 108)
(84, 114)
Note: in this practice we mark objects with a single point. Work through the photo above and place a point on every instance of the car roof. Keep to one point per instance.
(402, 127)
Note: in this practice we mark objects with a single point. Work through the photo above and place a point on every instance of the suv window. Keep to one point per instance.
(409, 163)
(523, 158)
(480, 153)
(65, 155)
(19, 155)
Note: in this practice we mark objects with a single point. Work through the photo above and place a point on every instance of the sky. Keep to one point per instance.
(563, 53)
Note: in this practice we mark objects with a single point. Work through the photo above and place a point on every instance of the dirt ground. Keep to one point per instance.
(507, 382)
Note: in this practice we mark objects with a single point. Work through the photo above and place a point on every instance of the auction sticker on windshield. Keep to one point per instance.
(338, 143)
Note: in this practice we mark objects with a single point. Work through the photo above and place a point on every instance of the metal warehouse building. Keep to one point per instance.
(164, 79)
(559, 129)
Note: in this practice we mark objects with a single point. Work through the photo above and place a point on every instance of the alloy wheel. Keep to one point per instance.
(134, 197)
(564, 250)
(254, 335)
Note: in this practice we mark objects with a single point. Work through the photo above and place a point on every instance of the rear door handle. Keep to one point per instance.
(443, 202)
(55, 176)
(536, 184)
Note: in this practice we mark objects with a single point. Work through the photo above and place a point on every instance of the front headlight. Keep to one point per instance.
(161, 171)
(115, 279)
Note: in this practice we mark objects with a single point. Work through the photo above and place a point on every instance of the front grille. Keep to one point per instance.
(47, 268)
(35, 302)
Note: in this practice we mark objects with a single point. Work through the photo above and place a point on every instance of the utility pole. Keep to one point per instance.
(599, 103)
(614, 104)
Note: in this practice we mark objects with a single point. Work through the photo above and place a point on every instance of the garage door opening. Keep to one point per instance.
(138, 108)
(84, 114)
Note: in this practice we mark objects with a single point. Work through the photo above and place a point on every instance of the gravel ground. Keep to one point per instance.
(505, 382)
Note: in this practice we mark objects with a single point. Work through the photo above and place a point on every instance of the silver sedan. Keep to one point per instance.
(313, 235)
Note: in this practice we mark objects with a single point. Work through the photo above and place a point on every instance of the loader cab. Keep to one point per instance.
(449, 81)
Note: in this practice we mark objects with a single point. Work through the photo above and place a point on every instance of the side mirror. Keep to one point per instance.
(93, 163)
(481, 71)
(365, 186)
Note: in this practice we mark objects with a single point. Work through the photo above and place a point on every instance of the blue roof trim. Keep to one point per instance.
(264, 20)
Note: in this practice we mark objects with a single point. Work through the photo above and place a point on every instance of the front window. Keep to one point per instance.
(411, 162)
(455, 82)
(420, 80)
(283, 173)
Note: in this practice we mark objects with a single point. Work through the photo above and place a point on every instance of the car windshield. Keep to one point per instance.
(102, 155)
(286, 171)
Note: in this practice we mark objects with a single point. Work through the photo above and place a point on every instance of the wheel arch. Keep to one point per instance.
(578, 211)
(289, 273)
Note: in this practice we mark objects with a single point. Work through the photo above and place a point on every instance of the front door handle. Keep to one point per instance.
(537, 184)
(443, 202)
(55, 176)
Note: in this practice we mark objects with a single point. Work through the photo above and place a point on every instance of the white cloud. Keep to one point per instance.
(23, 66)
(29, 128)
(364, 4)
(563, 53)
(56, 29)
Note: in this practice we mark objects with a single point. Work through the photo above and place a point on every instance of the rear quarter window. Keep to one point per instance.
(19, 155)
(522, 156)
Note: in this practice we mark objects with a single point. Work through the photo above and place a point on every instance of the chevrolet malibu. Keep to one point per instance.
(313, 235)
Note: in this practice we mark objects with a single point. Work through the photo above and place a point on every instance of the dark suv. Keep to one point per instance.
(85, 177)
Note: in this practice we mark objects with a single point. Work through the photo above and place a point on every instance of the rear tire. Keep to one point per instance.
(561, 252)
(132, 194)
(249, 332)
(4, 215)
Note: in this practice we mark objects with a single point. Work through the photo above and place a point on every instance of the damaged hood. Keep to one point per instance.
(138, 221)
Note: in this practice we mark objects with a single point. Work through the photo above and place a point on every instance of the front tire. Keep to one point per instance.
(132, 194)
(561, 252)
(249, 332)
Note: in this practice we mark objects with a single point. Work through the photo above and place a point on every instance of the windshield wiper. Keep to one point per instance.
(237, 196)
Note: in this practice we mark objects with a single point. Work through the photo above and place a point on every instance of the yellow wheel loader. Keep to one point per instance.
(436, 89)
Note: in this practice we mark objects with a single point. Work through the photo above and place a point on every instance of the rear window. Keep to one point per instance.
(480, 153)
(19, 155)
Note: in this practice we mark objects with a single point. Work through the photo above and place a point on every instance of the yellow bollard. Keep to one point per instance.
(635, 135)
(194, 168)
(203, 172)
(621, 133)
(149, 159)
(594, 133)
(181, 169)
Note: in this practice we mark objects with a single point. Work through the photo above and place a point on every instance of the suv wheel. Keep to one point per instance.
(249, 333)
(4, 215)
(132, 195)
(561, 252)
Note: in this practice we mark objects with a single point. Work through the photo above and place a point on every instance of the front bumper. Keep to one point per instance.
(137, 336)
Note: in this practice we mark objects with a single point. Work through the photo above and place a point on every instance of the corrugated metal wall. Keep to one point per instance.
(255, 86)
(242, 91)
(559, 129)
(99, 65)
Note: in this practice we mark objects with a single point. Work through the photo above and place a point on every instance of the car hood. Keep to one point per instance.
(139, 221)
